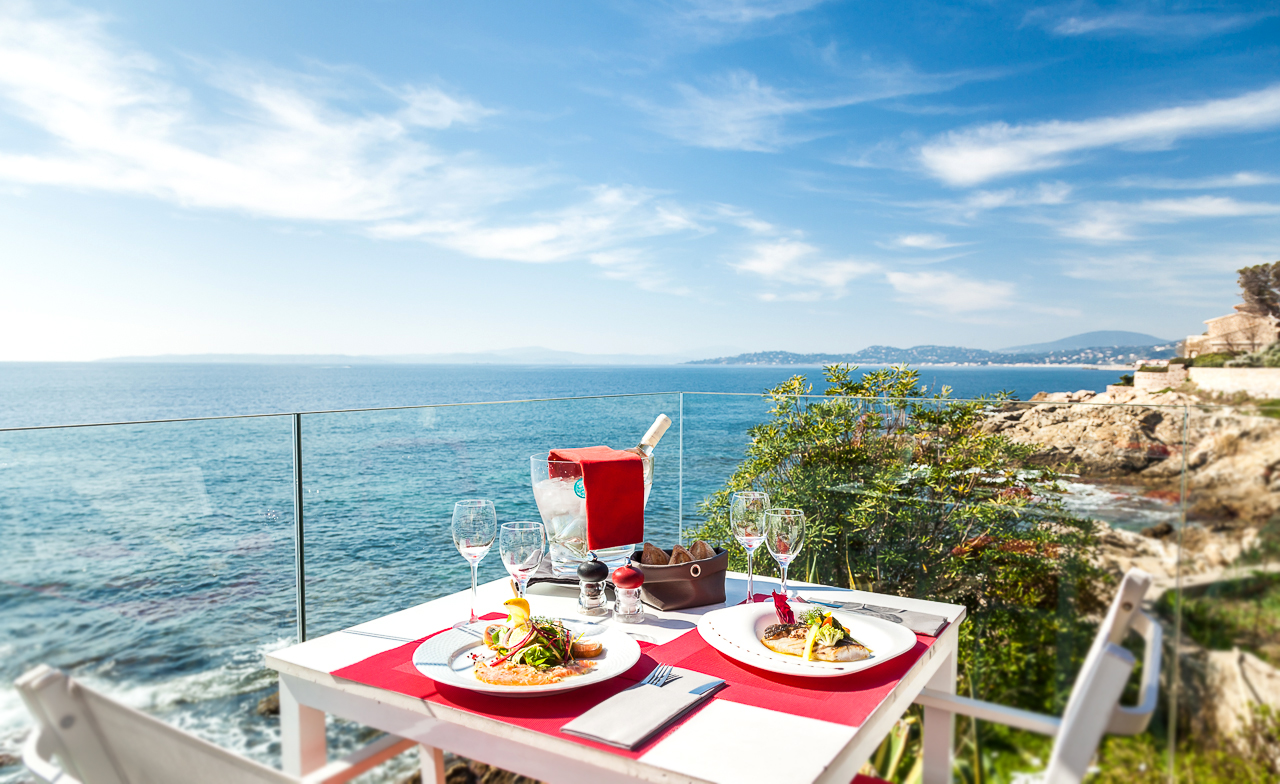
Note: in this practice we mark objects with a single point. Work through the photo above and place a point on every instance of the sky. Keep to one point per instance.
(676, 176)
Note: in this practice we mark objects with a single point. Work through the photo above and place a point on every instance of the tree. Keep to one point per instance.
(1260, 285)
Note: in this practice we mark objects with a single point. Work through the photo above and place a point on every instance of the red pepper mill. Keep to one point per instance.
(626, 583)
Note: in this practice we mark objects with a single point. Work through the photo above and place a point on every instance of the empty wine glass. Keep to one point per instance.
(746, 514)
(522, 545)
(475, 526)
(784, 536)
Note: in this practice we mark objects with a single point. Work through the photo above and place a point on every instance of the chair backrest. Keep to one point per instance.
(99, 741)
(1094, 705)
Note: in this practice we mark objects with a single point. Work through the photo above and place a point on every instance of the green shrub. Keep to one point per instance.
(1153, 369)
(913, 498)
(1126, 380)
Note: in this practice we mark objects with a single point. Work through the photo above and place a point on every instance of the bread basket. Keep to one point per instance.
(689, 584)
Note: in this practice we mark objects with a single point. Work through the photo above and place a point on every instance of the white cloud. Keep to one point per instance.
(951, 293)
(972, 156)
(1069, 21)
(115, 120)
(800, 264)
(741, 12)
(1242, 179)
(1115, 222)
(921, 242)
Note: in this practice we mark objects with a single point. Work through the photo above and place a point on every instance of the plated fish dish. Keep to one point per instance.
(533, 651)
(814, 636)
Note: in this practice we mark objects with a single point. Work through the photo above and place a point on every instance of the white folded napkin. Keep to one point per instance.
(921, 623)
(631, 717)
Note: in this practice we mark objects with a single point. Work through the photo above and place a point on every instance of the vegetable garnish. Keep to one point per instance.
(780, 606)
(533, 651)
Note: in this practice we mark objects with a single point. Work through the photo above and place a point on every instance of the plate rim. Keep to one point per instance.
(771, 661)
(568, 684)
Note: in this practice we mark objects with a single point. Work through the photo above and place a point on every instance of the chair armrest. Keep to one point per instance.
(359, 761)
(37, 756)
(989, 711)
(1131, 720)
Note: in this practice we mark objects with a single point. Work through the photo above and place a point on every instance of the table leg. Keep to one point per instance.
(303, 748)
(940, 726)
(432, 762)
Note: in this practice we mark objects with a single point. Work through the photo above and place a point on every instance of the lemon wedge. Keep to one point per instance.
(517, 611)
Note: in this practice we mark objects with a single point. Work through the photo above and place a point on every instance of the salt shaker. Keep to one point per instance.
(626, 583)
(591, 577)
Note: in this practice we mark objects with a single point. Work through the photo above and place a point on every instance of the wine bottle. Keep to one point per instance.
(649, 442)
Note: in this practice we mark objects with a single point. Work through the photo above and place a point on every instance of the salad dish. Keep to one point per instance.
(526, 655)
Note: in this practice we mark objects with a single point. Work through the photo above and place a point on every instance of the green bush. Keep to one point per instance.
(1153, 369)
(1126, 380)
(912, 497)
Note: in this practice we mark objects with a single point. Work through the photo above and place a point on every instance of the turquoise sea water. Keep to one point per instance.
(156, 560)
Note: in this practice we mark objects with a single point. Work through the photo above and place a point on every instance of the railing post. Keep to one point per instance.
(299, 551)
(680, 499)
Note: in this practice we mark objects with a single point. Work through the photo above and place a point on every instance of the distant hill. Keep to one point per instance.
(951, 355)
(1105, 338)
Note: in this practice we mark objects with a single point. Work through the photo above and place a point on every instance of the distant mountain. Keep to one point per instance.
(950, 355)
(1105, 338)
(531, 355)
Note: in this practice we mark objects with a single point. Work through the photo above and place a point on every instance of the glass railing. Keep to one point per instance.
(157, 560)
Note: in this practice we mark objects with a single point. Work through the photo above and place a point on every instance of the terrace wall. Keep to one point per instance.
(1256, 382)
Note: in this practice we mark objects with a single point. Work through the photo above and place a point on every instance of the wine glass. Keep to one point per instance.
(522, 545)
(475, 526)
(746, 514)
(784, 536)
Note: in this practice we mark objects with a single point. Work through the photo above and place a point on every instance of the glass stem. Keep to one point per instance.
(751, 585)
(784, 578)
(474, 566)
(520, 584)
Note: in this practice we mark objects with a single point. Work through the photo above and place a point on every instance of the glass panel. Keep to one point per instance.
(156, 563)
(380, 488)
(1027, 513)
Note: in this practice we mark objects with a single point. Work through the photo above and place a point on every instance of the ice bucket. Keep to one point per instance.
(562, 502)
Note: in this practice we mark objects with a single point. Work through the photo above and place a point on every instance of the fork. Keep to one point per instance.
(658, 676)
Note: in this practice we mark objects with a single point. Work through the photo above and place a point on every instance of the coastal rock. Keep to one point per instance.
(9, 760)
(269, 705)
(1232, 458)
(1207, 555)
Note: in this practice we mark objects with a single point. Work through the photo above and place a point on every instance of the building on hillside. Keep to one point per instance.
(1233, 334)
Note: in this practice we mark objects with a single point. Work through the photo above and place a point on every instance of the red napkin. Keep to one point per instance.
(614, 484)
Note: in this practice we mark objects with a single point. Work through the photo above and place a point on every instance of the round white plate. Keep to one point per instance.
(735, 632)
(446, 658)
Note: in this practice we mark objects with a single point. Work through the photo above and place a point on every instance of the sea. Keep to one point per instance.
(155, 560)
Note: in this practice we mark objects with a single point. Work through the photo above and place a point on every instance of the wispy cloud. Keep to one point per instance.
(973, 156)
(114, 119)
(951, 293)
(1115, 222)
(740, 12)
(803, 266)
(1086, 19)
(1242, 179)
(737, 111)
(921, 242)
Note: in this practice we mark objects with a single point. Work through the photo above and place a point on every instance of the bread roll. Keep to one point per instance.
(680, 555)
(652, 556)
(701, 551)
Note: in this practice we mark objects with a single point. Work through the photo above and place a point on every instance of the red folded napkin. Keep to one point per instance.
(614, 485)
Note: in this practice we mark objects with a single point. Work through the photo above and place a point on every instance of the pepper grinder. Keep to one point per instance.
(626, 583)
(591, 577)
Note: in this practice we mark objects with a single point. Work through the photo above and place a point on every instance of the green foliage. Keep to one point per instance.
(1267, 357)
(1260, 286)
(909, 495)
(1237, 613)
(1212, 360)
(1126, 380)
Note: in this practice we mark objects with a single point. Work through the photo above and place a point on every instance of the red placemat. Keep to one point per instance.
(848, 699)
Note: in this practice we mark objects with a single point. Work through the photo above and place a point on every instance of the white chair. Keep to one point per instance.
(1094, 707)
(96, 740)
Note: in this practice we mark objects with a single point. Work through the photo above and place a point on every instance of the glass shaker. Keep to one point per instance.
(591, 579)
(626, 583)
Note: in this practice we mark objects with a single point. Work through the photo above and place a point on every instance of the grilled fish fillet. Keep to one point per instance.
(789, 638)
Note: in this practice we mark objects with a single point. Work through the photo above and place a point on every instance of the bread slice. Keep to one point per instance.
(701, 551)
(652, 556)
(680, 555)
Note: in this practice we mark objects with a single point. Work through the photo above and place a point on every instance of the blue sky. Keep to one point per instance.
(639, 177)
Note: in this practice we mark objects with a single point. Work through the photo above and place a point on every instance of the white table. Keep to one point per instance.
(717, 744)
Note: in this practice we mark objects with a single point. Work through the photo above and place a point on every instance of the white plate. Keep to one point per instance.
(446, 658)
(735, 632)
